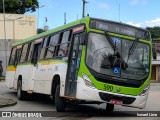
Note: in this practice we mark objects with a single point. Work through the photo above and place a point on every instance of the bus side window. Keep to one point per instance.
(63, 47)
(51, 50)
(27, 53)
(17, 56)
(12, 56)
(30, 51)
(24, 53)
(44, 47)
(36, 51)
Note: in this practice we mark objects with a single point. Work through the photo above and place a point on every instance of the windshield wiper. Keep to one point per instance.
(116, 59)
(132, 48)
(111, 42)
(113, 46)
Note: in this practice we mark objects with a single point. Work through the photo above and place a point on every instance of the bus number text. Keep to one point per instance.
(108, 87)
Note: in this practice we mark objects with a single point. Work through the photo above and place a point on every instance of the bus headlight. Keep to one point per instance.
(87, 81)
(144, 91)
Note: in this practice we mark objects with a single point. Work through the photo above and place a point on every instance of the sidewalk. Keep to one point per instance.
(5, 102)
(155, 84)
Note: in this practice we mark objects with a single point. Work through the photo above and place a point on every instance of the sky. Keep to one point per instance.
(141, 13)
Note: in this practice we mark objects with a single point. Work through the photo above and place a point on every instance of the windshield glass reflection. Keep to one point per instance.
(102, 58)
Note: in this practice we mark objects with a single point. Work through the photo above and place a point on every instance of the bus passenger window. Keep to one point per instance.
(30, 51)
(17, 57)
(24, 52)
(63, 48)
(12, 56)
(52, 46)
(44, 48)
(36, 53)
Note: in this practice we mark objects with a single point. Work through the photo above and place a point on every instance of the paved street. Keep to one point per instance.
(77, 112)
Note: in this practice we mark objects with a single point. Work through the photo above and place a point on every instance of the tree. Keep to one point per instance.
(155, 31)
(19, 6)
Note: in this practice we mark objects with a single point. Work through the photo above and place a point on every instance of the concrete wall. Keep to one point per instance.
(3, 51)
(18, 27)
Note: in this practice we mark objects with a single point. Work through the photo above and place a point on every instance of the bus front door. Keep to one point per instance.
(73, 66)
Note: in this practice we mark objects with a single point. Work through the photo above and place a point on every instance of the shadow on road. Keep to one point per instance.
(91, 111)
(75, 110)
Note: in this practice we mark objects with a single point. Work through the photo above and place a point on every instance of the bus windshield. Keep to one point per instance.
(104, 59)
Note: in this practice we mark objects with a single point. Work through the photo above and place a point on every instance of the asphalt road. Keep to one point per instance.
(79, 112)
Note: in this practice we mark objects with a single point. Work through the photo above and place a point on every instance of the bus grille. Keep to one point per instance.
(108, 97)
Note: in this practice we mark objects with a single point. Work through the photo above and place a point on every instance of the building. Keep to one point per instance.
(18, 27)
(156, 62)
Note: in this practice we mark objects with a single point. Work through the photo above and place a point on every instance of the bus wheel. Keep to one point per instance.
(59, 101)
(20, 92)
(109, 107)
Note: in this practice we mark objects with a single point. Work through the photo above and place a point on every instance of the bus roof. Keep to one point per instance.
(83, 20)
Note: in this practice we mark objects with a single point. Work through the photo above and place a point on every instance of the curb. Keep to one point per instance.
(6, 102)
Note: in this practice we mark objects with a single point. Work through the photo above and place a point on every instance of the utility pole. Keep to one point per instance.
(5, 32)
(84, 3)
(64, 18)
(38, 16)
(119, 7)
(13, 20)
(14, 26)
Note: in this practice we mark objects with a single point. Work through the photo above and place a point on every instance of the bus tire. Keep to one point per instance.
(59, 101)
(20, 93)
(109, 107)
(56, 81)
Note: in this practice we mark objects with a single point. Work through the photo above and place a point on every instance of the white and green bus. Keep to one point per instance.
(87, 61)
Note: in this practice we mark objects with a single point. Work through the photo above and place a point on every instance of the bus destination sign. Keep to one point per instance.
(120, 29)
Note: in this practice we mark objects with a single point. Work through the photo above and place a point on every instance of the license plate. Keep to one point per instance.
(117, 102)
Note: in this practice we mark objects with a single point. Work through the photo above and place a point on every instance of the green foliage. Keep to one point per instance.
(155, 31)
(19, 6)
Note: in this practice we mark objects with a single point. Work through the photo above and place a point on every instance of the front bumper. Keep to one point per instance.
(89, 94)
